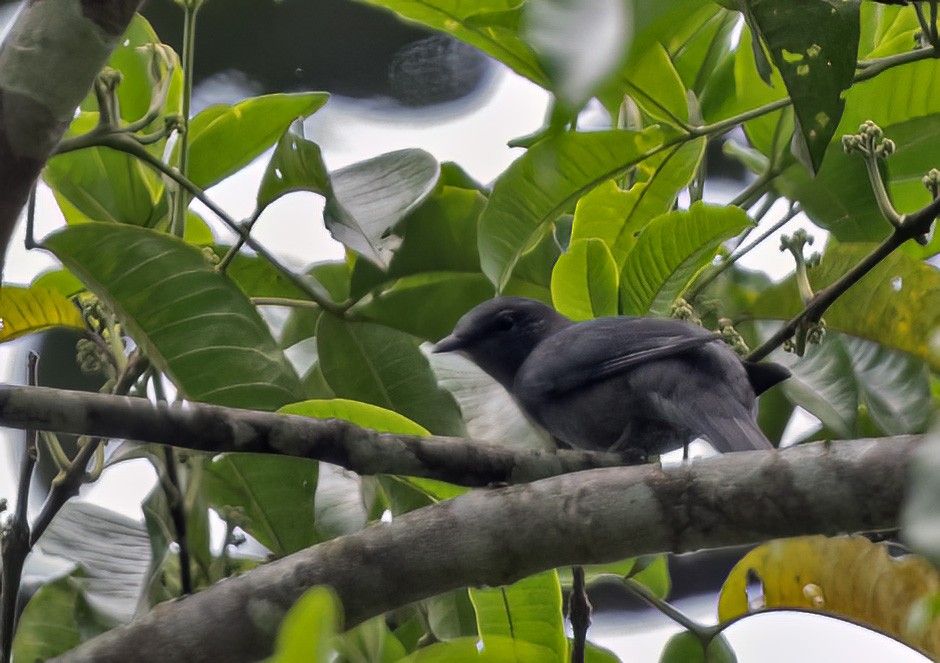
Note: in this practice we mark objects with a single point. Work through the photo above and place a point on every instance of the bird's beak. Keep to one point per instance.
(450, 343)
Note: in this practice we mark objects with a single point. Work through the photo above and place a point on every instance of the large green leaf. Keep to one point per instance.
(529, 610)
(584, 282)
(813, 44)
(101, 184)
(27, 310)
(558, 31)
(373, 196)
(617, 216)
(427, 305)
(306, 634)
(364, 201)
(480, 23)
(897, 304)
(376, 364)
(670, 251)
(543, 183)
(224, 139)
(469, 650)
(275, 495)
(193, 323)
(653, 83)
(57, 618)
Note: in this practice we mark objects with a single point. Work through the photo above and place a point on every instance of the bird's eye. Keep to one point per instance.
(504, 323)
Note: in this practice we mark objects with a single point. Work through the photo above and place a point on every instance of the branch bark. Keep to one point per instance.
(211, 428)
(496, 536)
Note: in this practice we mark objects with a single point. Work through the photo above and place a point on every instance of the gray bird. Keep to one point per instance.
(635, 386)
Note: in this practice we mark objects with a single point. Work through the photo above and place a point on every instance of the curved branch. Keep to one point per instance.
(493, 537)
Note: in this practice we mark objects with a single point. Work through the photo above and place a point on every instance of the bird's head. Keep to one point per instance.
(499, 334)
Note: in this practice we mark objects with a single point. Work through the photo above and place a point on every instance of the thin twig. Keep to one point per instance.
(16, 539)
(177, 507)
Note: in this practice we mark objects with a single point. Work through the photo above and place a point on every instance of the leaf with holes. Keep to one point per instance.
(193, 322)
(814, 44)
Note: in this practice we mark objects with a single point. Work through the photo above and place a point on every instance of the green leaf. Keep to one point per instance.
(469, 650)
(28, 310)
(584, 281)
(257, 277)
(368, 362)
(61, 281)
(296, 165)
(101, 184)
(426, 305)
(822, 381)
(617, 216)
(193, 323)
(373, 196)
(653, 83)
(558, 31)
(529, 610)
(669, 253)
(653, 572)
(275, 495)
(814, 45)
(687, 647)
(361, 414)
(451, 615)
(543, 183)
(306, 634)
(479, 23)
(57, 618)
(370, 642)
(224, 139)
(842, 373)
(897, 304)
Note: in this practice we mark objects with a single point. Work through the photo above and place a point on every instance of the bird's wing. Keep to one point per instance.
(717, 416)
(596, 350)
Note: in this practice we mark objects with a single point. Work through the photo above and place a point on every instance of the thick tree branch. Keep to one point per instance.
(496, 536)
(216, 429)
(47, 65)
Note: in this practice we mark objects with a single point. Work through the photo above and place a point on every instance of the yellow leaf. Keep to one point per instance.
(27, 310)
(849, 577)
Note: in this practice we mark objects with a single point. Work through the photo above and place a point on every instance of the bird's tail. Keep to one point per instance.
(733, 433)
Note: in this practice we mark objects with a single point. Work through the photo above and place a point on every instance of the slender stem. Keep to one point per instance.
(30, 241)
(758, 186)
(240, 242)
(870, 68)
(284, 301)
(16, 540)
(881, 193)
(190, 10)
(827, 296)
(643, 593)
(579, 614)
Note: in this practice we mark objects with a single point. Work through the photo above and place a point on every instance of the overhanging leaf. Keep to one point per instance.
(224, 139)
(193, 322)
(560, 32)
(480, 23)
(670, 251)
(814, 44)
(27, 310)
(541, 184)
